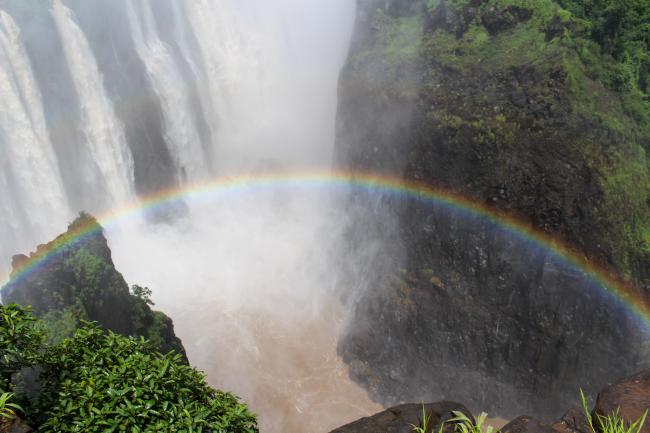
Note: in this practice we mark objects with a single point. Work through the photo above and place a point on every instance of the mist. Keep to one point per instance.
(128, 98)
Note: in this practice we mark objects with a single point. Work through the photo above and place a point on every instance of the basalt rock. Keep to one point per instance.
(492, 103)
(630, 396)
(573, 421)
(402, 418)
(526, 424)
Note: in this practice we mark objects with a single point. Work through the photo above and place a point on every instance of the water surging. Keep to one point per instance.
(109, 101)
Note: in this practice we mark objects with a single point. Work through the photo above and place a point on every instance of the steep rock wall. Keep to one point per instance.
(497, 101)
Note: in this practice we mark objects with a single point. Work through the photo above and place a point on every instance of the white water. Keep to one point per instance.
(250, 279)
(30, 181)
(183, 138)
(110, 170)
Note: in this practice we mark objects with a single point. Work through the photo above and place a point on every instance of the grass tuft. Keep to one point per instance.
(7, 408)
(612, 423)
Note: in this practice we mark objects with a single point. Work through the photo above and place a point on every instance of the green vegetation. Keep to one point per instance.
(517, 72)
(463, 424)
(79, 282)
(21, 339)
(424, 424)
(99, 381)
(7, 407)
(622, 29)
(612, 423)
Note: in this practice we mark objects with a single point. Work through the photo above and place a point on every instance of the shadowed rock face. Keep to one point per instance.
(461, 308)
(626, 400)
(78, 281)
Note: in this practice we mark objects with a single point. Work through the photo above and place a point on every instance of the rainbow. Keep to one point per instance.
(607, 280)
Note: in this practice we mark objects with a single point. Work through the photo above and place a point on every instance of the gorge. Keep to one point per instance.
(342, 206)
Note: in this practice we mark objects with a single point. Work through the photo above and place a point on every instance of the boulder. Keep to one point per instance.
(526, 424)
(400, 419)
(630, 395)
(15, 425)
(573, 421)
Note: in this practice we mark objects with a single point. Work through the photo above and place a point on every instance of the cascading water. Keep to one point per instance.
(182, 136)
(30, 181)
(237, 88)
(110, 166)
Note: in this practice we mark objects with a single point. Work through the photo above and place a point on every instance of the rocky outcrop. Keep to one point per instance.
(73, 278)
(630, 396)
(401, 419)
(496, 103)
(627, 399)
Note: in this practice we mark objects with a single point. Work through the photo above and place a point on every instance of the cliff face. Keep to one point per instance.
(502, 102)
(79, 282)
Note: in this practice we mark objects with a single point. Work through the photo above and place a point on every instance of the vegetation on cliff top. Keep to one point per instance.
(105, 382)
(515, 78)
(77, 281)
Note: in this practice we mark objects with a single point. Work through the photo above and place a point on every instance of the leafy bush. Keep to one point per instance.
(106, 382)
(21, 341)
(622, 29)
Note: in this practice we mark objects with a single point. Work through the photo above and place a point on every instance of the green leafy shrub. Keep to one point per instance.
(105, 382)
(622, 29)
(21, 341)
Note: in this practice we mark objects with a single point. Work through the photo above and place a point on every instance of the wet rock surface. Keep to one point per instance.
(629, 398)
(15, 425)
(401, 419)
(470, 101)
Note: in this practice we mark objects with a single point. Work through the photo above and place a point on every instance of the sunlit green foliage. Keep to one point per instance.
(622, 29)
(8, 408)
(21, 342)
(463, 424)
(99, 381)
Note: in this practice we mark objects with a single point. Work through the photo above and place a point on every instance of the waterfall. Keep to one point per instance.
(111, 169)
(181, 134)
(238, 82)
(30, 181)
(148, 95)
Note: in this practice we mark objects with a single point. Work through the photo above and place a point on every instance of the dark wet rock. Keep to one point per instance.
(400, 419)
(526, 424)
(471, 100)
(631, 396)
(573, 421)
(14, 426)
